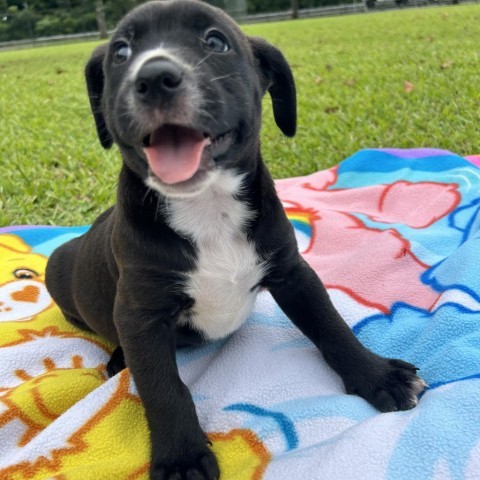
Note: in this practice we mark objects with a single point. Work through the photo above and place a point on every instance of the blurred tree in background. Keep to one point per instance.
(37, 18)
(20, 19)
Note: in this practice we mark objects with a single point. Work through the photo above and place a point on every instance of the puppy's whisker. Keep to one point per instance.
(207, 114)
(222, 77)
(157, 208)
(215, 102)
(203, 59)
(146, 195)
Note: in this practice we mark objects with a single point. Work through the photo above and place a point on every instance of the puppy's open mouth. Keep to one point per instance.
(176, 153)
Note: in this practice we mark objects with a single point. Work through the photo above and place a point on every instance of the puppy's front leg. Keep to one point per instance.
(179, 446)
(388, 384)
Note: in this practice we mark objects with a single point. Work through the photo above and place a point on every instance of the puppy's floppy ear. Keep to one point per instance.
(277, 78)
(95, 80)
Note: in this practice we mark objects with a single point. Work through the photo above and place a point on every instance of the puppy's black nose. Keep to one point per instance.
(158, 78)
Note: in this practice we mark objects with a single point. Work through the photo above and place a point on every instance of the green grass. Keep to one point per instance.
(350, 72)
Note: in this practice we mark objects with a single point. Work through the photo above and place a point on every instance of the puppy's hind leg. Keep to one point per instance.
(58, 279)
(76, 322)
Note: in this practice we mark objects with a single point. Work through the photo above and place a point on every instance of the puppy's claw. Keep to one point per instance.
(402, 364)
(403, 385)
(419, 385)
(390, 386)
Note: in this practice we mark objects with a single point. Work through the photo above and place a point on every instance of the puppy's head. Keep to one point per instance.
(179, 89)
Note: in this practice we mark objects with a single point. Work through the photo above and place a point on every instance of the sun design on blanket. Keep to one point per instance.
(40, 399)
(52, 371)
(95, 433)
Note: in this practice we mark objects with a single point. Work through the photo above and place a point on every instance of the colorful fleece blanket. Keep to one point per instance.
(395, 236)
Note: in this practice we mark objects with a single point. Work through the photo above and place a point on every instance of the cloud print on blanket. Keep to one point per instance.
(394, 235)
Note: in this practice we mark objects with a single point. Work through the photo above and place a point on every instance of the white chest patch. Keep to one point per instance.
(228, 268)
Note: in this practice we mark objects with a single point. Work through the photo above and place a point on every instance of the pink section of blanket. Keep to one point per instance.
(475, 159)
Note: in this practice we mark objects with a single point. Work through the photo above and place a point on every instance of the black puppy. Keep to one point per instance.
(198, 229)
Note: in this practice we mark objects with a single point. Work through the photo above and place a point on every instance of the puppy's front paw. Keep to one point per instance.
(389, 385)
(192, 465)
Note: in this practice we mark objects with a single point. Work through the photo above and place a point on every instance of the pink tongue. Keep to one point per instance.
(175, 153)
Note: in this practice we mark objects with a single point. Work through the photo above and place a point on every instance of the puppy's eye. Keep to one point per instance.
(24, 273)
(122, 53)
(216, 42)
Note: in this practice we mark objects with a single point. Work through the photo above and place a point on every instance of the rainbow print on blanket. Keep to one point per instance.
(395, 237)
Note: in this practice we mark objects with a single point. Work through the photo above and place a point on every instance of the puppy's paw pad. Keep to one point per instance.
(194, 475)
(210, 465)
(399, 388)
(203, 467)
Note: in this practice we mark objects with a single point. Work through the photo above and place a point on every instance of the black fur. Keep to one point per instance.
(124, 278)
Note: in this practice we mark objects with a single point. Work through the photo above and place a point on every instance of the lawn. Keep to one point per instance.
(397, 79)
